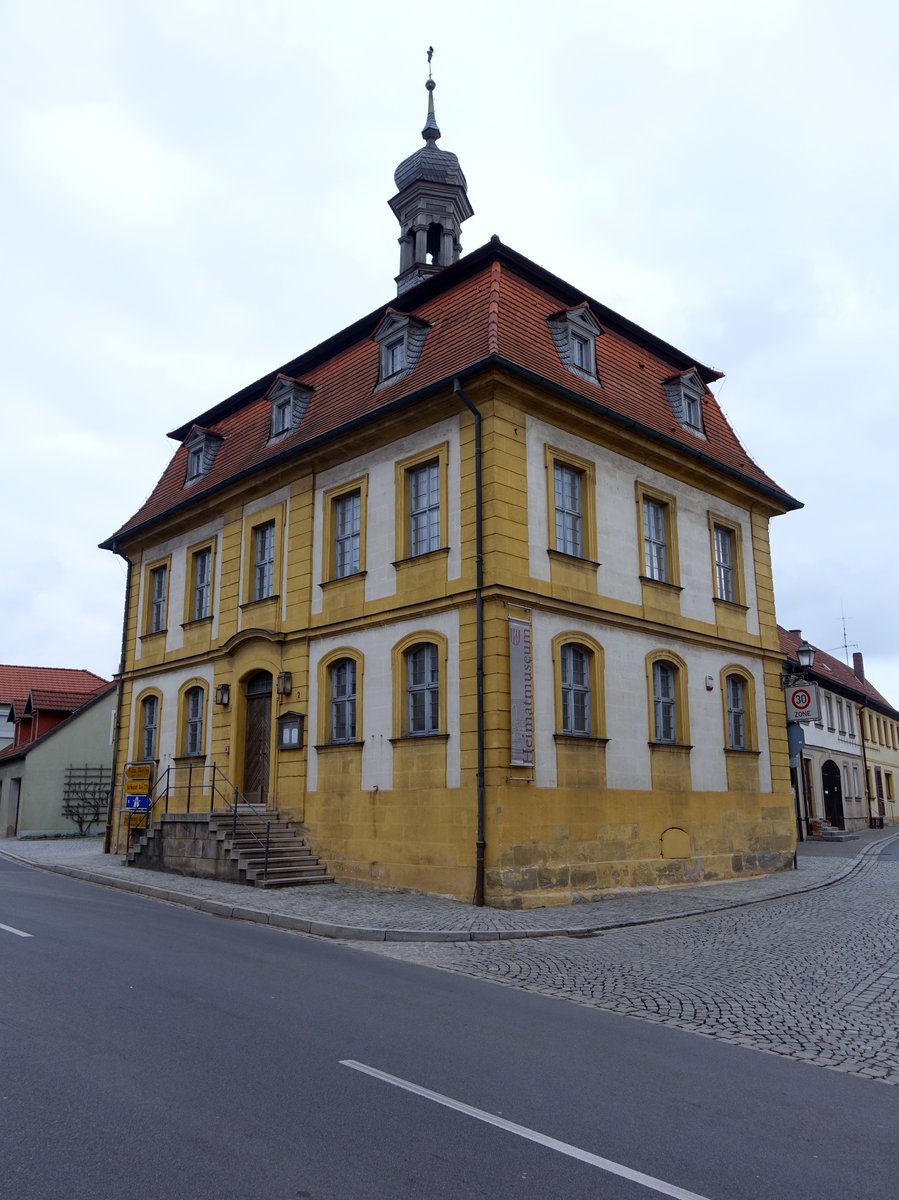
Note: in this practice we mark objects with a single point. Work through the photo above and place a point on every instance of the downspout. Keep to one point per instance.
(862, 709)
(107, 838)
(480, 844)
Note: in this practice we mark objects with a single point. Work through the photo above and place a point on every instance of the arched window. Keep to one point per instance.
(194, 703)
(422, 689)
(575, 670)
(736, 713)
(664, 696)
(342, 676)
(149, 726)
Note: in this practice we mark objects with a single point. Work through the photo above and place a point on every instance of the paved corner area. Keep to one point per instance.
(355, 912)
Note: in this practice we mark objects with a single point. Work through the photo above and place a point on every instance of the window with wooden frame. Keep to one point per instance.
(419, 686)
(148, 709)
(340, 680)
(198, 594)
(738, 699)
(262, 563)
(345, 514)
(669, 716)
(571, 500)
(156, 599)
(578, 667)
(421, 520)
(727, 560)
(657, 517)
(192, 721)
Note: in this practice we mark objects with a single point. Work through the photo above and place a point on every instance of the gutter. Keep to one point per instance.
(480, 843)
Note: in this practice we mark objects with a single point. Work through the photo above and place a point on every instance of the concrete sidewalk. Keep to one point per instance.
(356, 912)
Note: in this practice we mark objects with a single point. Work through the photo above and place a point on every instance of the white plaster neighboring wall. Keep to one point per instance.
(380, 535)
(176, 549)
(627, 705)
(619, 540)
(376, 644)
(167, 684)
(281, 496)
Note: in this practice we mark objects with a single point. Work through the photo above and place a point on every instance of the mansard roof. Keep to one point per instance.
(490, 309)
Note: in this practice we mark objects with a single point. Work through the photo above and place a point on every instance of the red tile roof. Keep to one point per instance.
(490, 308)
(59, 700)
(11, 752)
(17, 682)
(832, 673)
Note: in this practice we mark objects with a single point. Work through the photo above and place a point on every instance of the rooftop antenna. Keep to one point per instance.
(846, 644)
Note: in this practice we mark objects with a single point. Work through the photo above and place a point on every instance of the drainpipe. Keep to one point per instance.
(107, 837)
(862, 709)
(480, 844)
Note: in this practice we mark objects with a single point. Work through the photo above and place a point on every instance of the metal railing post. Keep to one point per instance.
(234, 828)
(212, 791)
(167, 782)
(268, 829)
(190, 779)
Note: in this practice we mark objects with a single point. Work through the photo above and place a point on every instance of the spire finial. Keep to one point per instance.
(431, 131)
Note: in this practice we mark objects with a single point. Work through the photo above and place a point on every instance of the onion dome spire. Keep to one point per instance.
(431, 203)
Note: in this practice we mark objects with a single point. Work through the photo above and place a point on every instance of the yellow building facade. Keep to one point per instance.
(477, 593)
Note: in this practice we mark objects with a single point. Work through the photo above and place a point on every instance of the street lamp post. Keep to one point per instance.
(796, 673)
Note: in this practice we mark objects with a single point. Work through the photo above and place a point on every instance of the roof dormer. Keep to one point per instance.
(685, 393)
(289, 400)
(401, 339)
(575, 331)
(202, 445)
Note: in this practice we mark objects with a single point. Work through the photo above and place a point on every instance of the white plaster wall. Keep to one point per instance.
(830, 741)
(281, 496)
(619, 542)
(626, 704)
(376, 645)
(179, 574)
(168, 683)
(380, 534)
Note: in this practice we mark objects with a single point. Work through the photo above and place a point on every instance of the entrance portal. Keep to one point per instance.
(258, 691)
(833, 793)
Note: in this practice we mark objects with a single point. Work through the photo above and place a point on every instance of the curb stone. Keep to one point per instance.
(339, 932)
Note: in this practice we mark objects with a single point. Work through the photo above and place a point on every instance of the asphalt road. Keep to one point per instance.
(155, 1051)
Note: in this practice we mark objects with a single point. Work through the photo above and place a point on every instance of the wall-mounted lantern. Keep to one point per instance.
(285, 683)
(223, 694)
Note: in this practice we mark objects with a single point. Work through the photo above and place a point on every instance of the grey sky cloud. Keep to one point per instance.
(194, 193)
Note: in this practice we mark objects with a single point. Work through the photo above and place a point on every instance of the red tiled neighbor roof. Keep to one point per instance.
(17, 682)
(491, 308)
(830, 672)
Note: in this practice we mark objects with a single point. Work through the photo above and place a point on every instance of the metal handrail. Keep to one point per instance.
(220, 787)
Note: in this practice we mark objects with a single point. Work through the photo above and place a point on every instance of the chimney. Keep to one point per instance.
(858, 666)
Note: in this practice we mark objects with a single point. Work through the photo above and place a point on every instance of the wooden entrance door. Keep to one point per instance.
(833, 793)
(258, 737)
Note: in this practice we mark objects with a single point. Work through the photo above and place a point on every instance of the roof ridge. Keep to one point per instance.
(493, 309)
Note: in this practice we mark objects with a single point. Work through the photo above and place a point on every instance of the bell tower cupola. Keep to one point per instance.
(431, 203)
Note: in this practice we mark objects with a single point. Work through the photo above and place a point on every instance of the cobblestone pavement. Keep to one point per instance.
(813, 976)
(382, 914)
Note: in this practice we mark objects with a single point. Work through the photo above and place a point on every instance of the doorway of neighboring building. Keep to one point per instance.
(833, 793)
(258, 694)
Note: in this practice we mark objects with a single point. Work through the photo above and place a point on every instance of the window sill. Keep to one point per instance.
(330, 747)
(682, 747)
(420, 737)
(743, 750)
(256, 603)
(586, 738)
(186, 760)
(417, 558)
(576, 560)
(338, 579)
(664, 584)
(730, 604)
(195, 621)
(153, 633)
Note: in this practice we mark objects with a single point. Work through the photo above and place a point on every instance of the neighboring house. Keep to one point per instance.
(58, 691)
(478, 591)
(52, 782)
(849, 764)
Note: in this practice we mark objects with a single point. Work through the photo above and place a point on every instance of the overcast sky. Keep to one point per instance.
(195, 191)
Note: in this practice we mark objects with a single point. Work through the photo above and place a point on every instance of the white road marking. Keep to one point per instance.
(604, 1164)
(17, 932)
